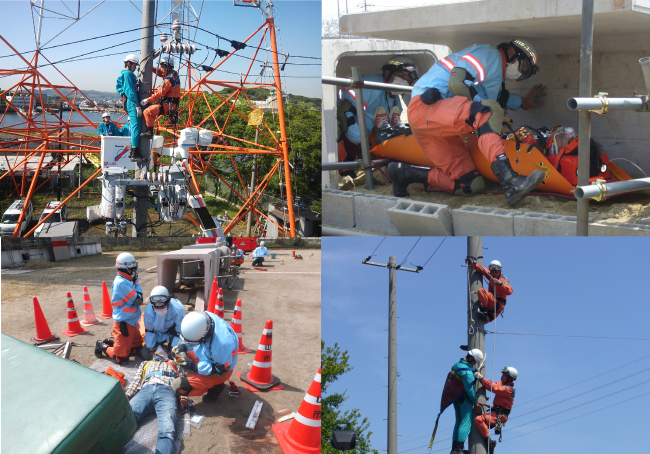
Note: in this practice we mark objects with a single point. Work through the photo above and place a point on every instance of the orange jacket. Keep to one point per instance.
(502, 290)
(170, 88)
(504, 395)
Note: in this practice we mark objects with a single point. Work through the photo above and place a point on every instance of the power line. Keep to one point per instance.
(407, 255)
(434, 252)
(373, 252)
(566, 335)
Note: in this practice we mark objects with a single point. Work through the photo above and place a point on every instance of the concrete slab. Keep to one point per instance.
(619, 229)
(421, 218)
(371, 213)
(338, 208)
(472, 220)
(542, 224)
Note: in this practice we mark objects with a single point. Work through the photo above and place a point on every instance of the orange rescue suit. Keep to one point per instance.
(486, 297)
(504, 398)
(169, 92)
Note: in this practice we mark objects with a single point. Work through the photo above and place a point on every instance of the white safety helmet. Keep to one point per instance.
(196, 327)
(126, 261)
(262, 244)
(133, 58)
(495, 265)
(106, 114)
(167, 60)
(159, 297)
(478, 356)
(510, 372)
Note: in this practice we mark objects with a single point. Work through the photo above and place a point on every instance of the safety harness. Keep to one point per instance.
(174, 80)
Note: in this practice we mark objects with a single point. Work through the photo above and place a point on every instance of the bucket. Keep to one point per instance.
(273, 256)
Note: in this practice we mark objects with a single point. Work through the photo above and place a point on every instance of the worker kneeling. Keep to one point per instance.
(491, 307)
(212, 358)
(162, 321)
(259, 254)
(464, 369)
(504, 393)
(126, 302)
(152, 391)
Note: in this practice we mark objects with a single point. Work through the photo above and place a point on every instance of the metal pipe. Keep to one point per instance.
(597, 103)
(584, 122)
(348, 165)
(332, 231)
(363, 129)
(645, 71)
(606, 189)
(366, 84)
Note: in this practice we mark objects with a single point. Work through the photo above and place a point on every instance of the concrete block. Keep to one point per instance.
(421, 219)
(338, 208)
(619, 229)
(471, 220)
(371, 213)
(542, 224)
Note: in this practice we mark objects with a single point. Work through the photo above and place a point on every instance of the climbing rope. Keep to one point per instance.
(494, 349)
(469, 303)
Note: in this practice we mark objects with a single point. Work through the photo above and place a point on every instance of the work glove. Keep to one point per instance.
(136, 279)
(478, 376)
(144, 102)
(179, 357)
(496, 281)
(138, 112)
(530, 100)
(469, 261)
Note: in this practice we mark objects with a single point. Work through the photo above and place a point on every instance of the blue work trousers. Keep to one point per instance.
(162, 400)
(463, 420)
(135, 123)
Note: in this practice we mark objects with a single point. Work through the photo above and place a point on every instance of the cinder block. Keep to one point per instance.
(371, 213)
(471, 220)
(619, 229)
(338, 208)
(421, 218)
(542, 224)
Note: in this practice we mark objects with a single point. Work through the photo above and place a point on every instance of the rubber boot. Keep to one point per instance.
(490, 445)
(403, 174)
(109, 342)
(515, 186)
(100, 349)
(213, 393)
(146, 130)
(482, 316)
(134, 154)
(457, 447)
(469, 184)
(465, 347)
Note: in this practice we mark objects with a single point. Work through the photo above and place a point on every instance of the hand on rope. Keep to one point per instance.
(496, 281)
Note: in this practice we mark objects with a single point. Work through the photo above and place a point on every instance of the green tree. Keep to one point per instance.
(334, 363)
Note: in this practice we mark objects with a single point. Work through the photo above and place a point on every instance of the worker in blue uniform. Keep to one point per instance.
(464, 93)
(126, 300)
(125, 87)
(382, 108)
(107, 127)
(464, 369)
(213, 355)
(162, 321)
(125, 130)
(259, 254)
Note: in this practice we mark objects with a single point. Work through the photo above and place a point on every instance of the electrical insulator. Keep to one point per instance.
(176, 25)
(164, 37)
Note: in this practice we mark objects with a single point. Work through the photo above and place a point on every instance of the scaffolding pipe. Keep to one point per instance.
(602, 190)
(608, 103)
(645, 71)
(342, 82)
(361, 118)
(349, 165)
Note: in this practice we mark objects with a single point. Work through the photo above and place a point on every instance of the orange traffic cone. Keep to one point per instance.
(213, 296)
(218, 309)
(89, 313)
(107, 309)
(293, 253)
(302, 435)
(74, 327)
(43, 333)
(259, 378)
(235, 324)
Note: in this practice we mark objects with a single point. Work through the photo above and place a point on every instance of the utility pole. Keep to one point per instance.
(476, 332)
(392, 346)
(146, 49)
(249, 221)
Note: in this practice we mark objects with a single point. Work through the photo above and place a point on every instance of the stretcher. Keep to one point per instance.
(51, 405)
(524, 159)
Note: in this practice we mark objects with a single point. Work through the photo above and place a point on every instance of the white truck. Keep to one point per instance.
(57, 224)
(10, 218)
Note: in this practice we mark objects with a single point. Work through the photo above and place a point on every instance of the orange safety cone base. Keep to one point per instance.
(104, 316)
(288, 445)
(83, 322)
(244, 349)
(107, 309)
(43, 333)
(45, 341)
(69, 333)
(253, 387)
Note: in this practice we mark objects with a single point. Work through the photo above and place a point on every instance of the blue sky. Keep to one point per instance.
(299, 34)
(566, 286)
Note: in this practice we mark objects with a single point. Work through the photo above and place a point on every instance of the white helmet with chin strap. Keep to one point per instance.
(510, 372)
(160, 297)
(125, 262)
(262, 244)
(478, 356)
(106, 114)
(495, 265)
(132, 58)
(167, 60)
(196, 327)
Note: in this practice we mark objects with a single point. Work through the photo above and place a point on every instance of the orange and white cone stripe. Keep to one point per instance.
(236, 325)
(89, 313)
(219, 307)
(302, 435)
(259, 377)
(74, 327)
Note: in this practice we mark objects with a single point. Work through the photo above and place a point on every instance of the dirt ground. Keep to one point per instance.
(625, 208)
(288, 294)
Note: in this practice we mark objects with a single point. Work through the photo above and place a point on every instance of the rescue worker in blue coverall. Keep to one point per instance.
(212, 358)
(464, 93)
(126, 300)
(464, 369)
(162, 321)
(107, 127)
(125, 87)
(126, 129)
(259, 254)
(382, 108)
